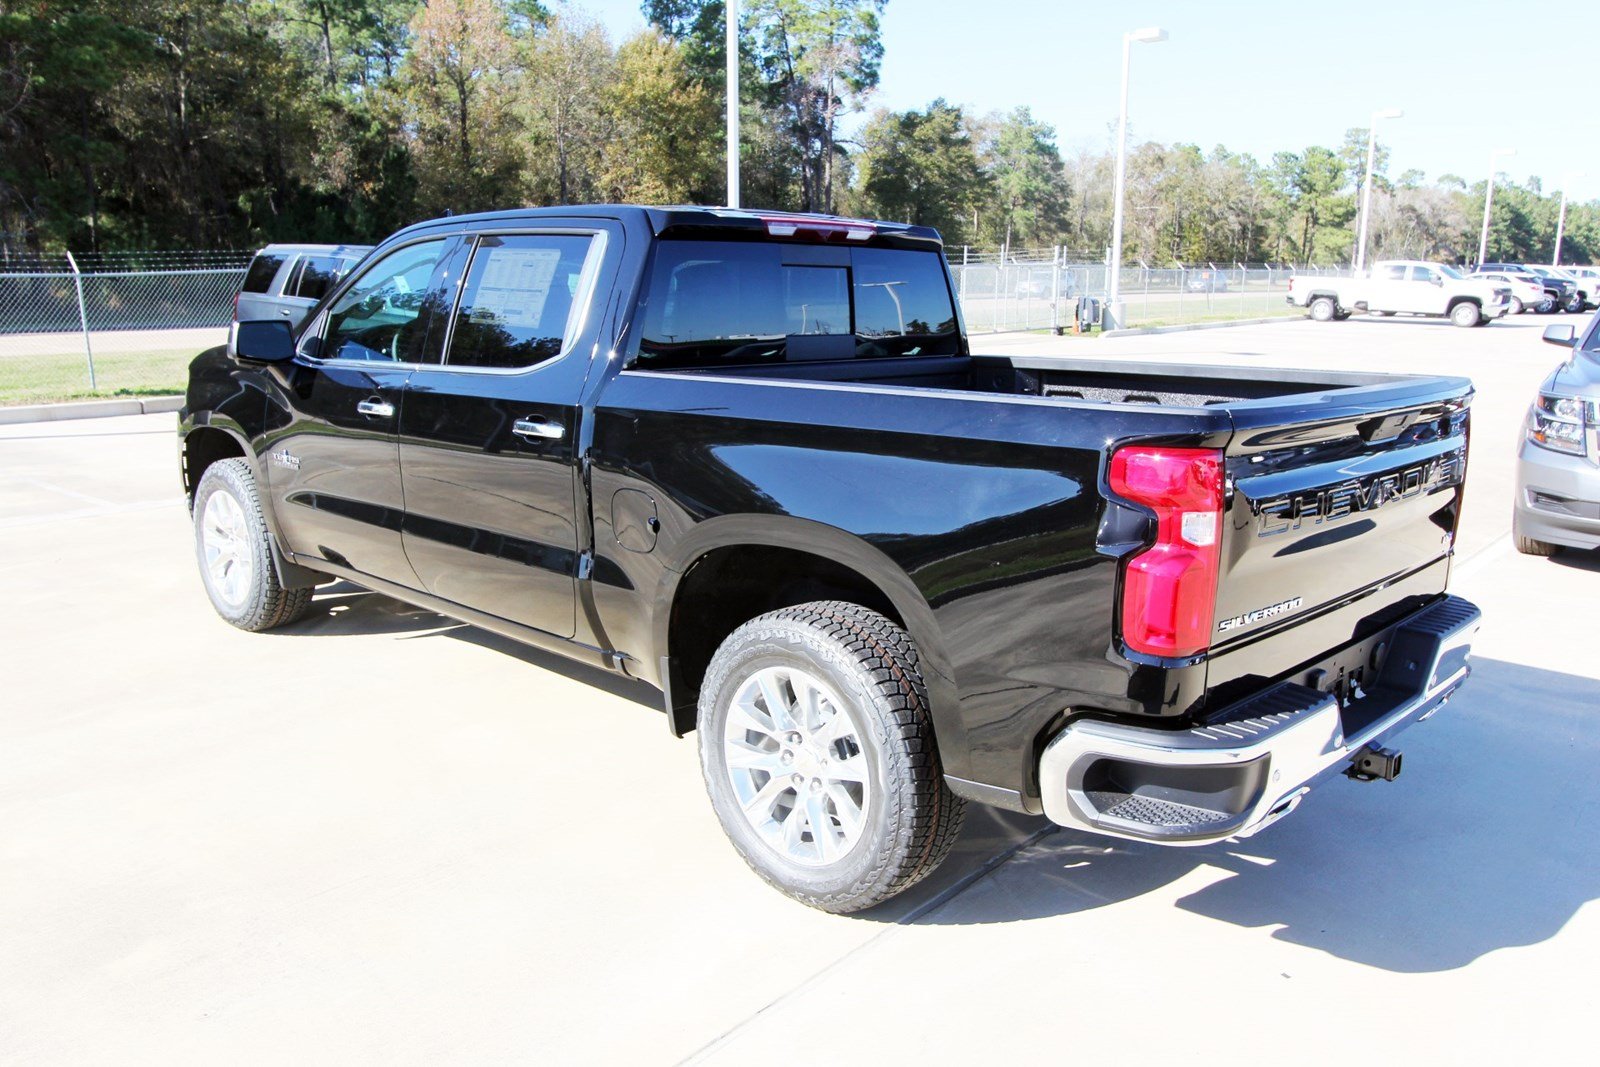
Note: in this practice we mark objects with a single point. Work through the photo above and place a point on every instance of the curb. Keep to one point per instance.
(89, 409)
(1133, 331)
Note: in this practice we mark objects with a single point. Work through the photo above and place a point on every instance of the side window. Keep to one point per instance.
(901, 295)
(516, 305)
(1392, 274)
(1423, 274)
(318, 274)
(385, 315)
(258, 279)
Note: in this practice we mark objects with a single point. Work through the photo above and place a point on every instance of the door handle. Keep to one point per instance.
(378, 409)
(283, 311)
(539, 429)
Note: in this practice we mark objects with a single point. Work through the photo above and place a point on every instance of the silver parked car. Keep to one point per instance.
(1558, 468)
(286, 281)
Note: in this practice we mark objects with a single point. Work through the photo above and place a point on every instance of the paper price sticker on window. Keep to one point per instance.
(515, 286)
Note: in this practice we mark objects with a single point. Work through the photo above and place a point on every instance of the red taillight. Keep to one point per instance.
(1169, 590)
(235, 307)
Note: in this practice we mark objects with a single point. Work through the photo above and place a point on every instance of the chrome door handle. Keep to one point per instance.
(539, 429)
(379, 409)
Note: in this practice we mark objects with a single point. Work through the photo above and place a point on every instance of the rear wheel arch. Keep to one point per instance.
(797, 561)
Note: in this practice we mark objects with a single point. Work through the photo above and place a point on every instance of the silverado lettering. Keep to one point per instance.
(1250, 617)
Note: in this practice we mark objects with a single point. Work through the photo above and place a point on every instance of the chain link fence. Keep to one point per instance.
(1041, 289)
(129, 323)
(113, 324)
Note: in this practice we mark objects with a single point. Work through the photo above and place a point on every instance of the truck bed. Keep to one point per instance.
(1067, 378)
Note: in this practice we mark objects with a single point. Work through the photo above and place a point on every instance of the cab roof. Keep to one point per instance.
(716, 223)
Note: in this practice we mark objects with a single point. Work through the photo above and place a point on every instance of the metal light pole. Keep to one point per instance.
(1561, 219)
(1488, 199)
(1366, 196)
(733, 102)
(1113, 310)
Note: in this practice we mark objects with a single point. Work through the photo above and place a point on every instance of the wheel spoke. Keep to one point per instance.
(760, 805)
(777, 706)
(853, 769)
(823, 835)
(837, 726)
(846, 808)
(747, 757)
(746, 716)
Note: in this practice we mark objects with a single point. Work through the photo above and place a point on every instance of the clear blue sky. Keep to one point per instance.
(1260, 76)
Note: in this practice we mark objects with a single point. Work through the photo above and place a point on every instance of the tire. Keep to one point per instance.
(234, 550)
(1516, 307)
(1574, 306)
(1466, 314)
(1527, 545)
(878, 739)
(1546, 306)
(1323, 309)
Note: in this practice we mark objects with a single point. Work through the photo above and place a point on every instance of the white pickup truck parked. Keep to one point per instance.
(1402, 287)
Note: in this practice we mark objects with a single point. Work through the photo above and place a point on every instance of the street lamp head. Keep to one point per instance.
(1148, 35)
(1389, 113)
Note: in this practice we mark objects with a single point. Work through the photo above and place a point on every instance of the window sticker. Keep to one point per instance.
(516, 283)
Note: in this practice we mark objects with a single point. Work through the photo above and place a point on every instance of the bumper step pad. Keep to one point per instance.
(1253, 762)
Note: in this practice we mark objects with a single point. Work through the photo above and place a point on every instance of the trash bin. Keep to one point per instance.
(1088, 313)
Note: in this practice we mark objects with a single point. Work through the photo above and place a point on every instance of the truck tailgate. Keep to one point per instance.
(1342, 507)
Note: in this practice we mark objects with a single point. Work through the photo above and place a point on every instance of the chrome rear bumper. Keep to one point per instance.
(1252, 763)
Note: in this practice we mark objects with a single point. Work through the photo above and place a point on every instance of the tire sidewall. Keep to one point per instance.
(1465, 314)
(233, 478)
(1322, 309)
(772, 643)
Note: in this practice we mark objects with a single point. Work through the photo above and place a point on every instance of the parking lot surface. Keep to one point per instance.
(382, 837)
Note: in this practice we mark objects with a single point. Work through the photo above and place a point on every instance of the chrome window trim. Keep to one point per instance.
(320, 323)
(581, 300)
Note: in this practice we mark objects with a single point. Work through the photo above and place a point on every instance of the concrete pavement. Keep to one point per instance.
(407, 840)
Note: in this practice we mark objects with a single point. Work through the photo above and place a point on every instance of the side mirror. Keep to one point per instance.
(1437, 280)
(1560, 335)
(267, 341)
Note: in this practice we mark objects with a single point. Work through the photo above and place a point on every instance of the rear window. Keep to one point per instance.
(727, 303)
(318, 274)
(258, 279)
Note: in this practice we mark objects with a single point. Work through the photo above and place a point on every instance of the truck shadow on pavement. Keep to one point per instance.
(1486, 842)
(344, 608)
(1577, 559)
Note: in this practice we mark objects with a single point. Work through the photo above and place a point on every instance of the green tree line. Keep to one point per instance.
(131, 124)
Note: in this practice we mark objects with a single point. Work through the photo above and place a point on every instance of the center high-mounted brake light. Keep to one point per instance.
(818, 229)
(1169, 590)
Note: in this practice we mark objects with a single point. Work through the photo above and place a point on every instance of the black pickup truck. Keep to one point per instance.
(751, 460)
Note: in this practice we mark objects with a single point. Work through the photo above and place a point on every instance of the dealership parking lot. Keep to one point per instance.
(379, 836)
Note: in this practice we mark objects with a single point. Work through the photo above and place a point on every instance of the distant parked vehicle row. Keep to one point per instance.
(286, 280)
(1403, 287)
(1562, 290)
(1527, 292)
